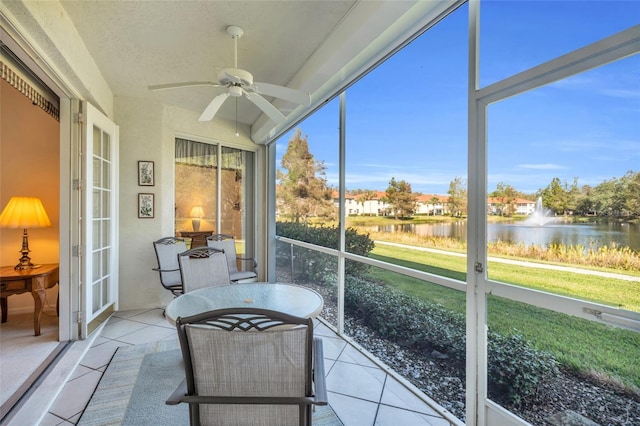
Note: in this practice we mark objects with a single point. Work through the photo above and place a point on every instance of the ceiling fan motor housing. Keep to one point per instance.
(235, 76)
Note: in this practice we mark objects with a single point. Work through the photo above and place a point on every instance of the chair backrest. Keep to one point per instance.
(227, 244)
(167, 250)
(203, 267)
(249, 357)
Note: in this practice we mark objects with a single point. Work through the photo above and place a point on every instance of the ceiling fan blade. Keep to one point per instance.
(293, 95)
(271, 111)
(213, 107)
(185, 84)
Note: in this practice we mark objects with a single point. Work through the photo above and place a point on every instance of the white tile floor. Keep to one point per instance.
(360, 392)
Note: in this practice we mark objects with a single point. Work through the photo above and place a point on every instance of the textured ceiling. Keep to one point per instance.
(140, 43)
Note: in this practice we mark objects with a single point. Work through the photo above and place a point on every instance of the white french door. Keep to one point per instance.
(99, 218)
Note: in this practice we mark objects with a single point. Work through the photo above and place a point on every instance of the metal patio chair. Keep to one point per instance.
(167, 250)
(227, 243)
(246, 366)
(203, 267)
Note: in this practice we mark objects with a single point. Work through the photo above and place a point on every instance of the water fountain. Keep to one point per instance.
(540, 215)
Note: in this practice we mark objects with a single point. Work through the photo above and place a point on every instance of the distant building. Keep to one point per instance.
(495, 205)
(371, 204)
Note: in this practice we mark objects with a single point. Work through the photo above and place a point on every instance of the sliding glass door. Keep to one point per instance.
(214, 193)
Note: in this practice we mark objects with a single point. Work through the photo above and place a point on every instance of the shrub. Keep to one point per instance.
(516, 369)
(314, 266)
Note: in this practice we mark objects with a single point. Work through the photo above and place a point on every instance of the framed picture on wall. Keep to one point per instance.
(145, 206)
(145, 173)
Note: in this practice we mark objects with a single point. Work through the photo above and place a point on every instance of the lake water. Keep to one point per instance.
(598, 234)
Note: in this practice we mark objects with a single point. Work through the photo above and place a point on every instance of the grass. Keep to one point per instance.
(586, 347)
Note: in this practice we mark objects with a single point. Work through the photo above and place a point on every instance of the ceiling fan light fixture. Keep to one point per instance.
(235, 91)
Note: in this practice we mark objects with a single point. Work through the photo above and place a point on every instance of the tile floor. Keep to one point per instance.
(360, 392)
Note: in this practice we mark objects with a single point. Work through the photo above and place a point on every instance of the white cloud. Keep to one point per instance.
(542, 166)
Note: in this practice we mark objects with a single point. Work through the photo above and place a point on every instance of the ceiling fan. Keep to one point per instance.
(239, 82)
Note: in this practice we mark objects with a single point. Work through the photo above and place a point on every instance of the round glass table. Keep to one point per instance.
(288, 298)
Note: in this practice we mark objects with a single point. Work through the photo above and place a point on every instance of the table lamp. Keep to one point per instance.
(24, 212)
(196, 213)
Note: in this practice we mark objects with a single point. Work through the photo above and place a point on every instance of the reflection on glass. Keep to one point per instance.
(196, 171)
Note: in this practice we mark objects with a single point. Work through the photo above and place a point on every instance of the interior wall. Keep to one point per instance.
(147, 132)
(29, 166)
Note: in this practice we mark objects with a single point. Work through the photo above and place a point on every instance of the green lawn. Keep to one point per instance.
(582, 345)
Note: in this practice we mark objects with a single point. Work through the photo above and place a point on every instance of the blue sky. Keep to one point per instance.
(407, 119)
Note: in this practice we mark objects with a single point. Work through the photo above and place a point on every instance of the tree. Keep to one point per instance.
(401, 199)
(556, 196)
(303, 190)
(506, 195)
(457, 197)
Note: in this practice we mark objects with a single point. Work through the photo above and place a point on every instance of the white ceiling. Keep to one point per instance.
(316, 46)
(140, 43)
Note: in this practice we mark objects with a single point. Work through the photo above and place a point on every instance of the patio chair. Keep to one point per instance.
(227, 243)
(203, 267)
(167, 250)
(246, 366)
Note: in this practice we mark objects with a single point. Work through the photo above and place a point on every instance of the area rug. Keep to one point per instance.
(137, 382)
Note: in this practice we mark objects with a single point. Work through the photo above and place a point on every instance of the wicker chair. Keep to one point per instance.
(248, 366)
(203, 267)
(167, 250)
(228, 244)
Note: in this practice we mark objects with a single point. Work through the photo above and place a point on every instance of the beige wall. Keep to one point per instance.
(29, 166)
(147, 132)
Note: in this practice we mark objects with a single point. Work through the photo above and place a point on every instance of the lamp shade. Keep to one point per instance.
(24, 212)
(196, 211)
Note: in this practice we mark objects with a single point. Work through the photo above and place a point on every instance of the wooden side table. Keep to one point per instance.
(36, 280)
(198, 238)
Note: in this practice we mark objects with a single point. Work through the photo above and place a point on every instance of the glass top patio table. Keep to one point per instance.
(288, 298)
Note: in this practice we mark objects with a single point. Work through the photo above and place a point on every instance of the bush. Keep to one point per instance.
(516, 369)
(314, 266)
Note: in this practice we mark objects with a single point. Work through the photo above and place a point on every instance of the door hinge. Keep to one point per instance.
(76, 251)
(78, 184)
(479, 267)
(78, 316)
(78, 118)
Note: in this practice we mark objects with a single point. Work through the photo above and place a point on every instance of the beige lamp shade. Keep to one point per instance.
(24, 212)
(196, 212)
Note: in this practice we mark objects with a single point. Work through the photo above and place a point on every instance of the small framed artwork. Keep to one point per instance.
(145, 206)
(145, 173)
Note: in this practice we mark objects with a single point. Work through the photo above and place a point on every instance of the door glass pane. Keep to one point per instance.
(199, 174)
(106, 146)
(236, 191)
(97, 141)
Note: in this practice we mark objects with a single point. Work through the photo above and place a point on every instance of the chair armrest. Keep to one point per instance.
(176, 397)
(320, 384)
(255, 263)
(164, 270)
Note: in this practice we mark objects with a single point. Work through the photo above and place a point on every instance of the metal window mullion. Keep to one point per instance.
(341, 211)
(219, 189)
(476, 367)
